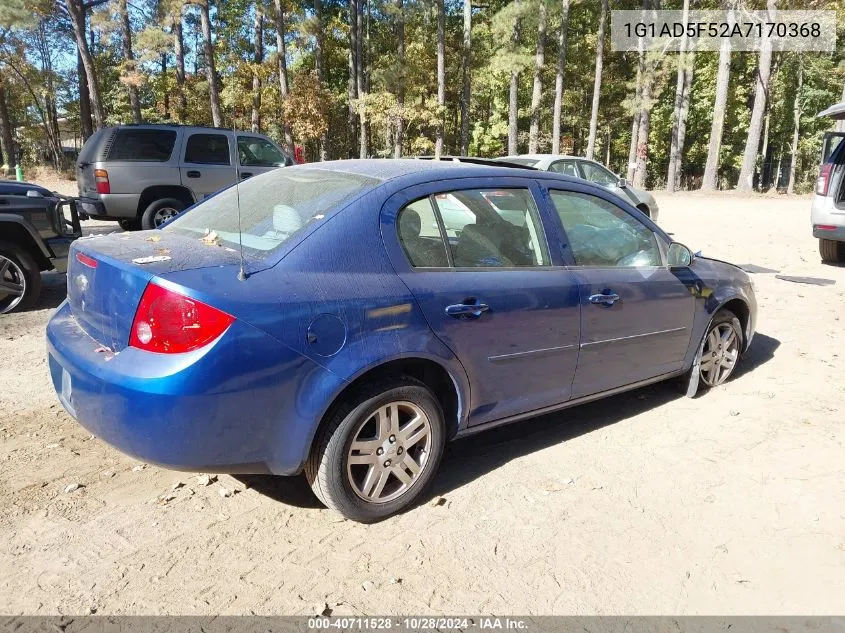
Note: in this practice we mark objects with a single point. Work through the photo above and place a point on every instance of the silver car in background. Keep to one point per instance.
(579, 167)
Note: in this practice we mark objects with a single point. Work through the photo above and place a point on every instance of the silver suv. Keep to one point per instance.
(827, 212)
(143, 175)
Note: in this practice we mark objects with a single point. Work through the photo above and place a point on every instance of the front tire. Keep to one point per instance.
(160, 211)
(20, 279)
(378, 451)
(717, 354)
(832, 251)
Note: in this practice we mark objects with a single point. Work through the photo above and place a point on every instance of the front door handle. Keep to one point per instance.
(467, 310)
(606, 298)
(193, 174)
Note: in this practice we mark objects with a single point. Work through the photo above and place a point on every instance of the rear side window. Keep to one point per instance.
(207, 149)
(493, 228)
(142, 145)
(420, 236)
(274, 207)
(566, 167)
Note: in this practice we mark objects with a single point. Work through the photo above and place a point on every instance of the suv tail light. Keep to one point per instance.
(167, 322)
(823, 182)
(101, 178)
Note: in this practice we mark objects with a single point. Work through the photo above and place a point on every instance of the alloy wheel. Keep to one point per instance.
(163, 215)
(12, 284)
(720, 353)
(389, 451)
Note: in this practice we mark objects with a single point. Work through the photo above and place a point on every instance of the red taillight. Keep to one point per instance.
(825, 227)
(82, 258)
(169, 323)
(823, 182)
(101, 178)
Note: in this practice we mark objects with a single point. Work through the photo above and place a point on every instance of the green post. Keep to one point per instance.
(18, 173)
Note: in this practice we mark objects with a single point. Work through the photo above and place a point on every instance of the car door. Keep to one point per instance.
(494, 296)
(257, 155)
(207, 163)
(636, 316)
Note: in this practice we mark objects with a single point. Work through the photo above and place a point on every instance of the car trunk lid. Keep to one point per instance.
(107, 276)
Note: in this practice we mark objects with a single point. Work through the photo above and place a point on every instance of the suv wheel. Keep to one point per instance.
(20, 279)
(378, 450)
(160, 212)
(832, 251)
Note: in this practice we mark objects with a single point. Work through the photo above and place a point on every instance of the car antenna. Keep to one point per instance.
(242, 272)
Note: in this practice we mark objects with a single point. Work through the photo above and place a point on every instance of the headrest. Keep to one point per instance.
(286, 219)
(410, 225)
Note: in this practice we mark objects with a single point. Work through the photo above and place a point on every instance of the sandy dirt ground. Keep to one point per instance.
(646, 503)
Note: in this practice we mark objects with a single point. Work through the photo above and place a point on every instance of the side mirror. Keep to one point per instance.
(622, 183)
(679, 256)
(32, 193)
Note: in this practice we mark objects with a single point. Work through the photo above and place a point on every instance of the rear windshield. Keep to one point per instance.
(273, 207)
(142, 145)
(528, 162)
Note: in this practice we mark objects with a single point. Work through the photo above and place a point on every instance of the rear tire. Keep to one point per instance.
(832, 251)
(160, 211)
(378, 450)
(130, 224)
(20, 279)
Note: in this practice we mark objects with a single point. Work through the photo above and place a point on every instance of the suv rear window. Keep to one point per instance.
(142, 145)
(274, 207)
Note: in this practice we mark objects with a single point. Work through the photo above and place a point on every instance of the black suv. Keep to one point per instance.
(36, 229)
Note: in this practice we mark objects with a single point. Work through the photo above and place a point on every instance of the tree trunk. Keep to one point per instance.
(682, 86)
(441, 76)
(129, 76)
(643, 129)
(258, 59)
(86, 123)
(77, 18)
(400, 93)
(179, 49)
(840, 125)
(761, 90)
(513, 94)
(594, 115)
(210, 67)
(352, 84)
(635, 123)
(283, 70)
(8, 143)
(318, 59)
(711, 168)
(537, 91)
(364, 132)
(561, 67)
(467, 88)
(164, 82)
(796, 113)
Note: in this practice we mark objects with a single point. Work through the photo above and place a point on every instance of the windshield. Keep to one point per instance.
(273, 207)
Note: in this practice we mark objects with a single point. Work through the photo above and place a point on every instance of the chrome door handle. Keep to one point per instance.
(604, 299)
(466, 310)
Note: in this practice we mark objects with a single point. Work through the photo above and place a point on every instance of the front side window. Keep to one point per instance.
(142, 145)
(601, 234)
(493, 228)
(598, 174)
(258, 152)
(420, 236)
(207, 149)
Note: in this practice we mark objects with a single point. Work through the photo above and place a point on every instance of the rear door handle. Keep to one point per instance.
(606, 298)
(466, 310)
(193, 174)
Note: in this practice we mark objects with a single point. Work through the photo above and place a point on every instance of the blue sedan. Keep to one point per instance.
(337, 325)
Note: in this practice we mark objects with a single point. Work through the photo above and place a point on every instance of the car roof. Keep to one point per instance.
(14, 186)
(386, 169)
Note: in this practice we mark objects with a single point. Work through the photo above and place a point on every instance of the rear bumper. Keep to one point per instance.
(825, 213)
(235, 406)
(837, 233)
(111, 205)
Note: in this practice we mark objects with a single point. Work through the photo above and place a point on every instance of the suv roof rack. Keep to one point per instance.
(165, 124)
(490, 162)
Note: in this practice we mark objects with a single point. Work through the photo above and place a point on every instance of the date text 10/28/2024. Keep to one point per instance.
(421, 623)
